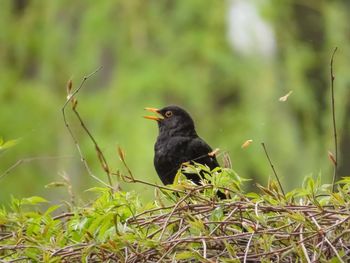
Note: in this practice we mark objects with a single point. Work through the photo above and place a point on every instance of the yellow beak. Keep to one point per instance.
(155, 118)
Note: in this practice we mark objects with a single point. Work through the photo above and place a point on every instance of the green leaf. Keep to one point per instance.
(253, 196)
(51, 209)
(33, 200)
(98, 189)
(197, 226)
(189, 255)
(344, 180)
(7, 144)
(217, 214)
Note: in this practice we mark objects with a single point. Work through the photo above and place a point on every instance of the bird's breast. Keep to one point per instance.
(170, 151)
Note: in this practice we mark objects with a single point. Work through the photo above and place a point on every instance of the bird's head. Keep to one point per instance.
(173, 120)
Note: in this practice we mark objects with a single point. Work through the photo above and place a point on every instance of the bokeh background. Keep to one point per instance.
(226, 62)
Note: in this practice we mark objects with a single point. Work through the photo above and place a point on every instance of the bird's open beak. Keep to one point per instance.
(155, 118)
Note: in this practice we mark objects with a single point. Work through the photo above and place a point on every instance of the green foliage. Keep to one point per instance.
(8, 144)
(160, 52)
(308, 224)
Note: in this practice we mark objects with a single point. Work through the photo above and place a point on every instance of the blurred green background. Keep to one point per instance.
(226, 62)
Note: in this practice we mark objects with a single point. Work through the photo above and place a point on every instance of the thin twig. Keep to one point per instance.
(133, 180)
(100, 154)
(167, 252)
(204, 249)
(171, 213)
(71, 98)
(247, 248)
(334, 121)
(30, 159)
(273, 169)
(326, 239)
(227, 217)
(303, 245)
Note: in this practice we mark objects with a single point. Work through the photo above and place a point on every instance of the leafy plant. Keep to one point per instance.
(310, 224)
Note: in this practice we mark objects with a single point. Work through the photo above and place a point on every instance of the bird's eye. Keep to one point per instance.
(168, 114)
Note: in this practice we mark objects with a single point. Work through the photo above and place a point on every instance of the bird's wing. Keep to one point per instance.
(199, 151)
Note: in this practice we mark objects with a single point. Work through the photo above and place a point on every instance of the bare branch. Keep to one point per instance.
(273, 169)
(333, 119)
(71, 98)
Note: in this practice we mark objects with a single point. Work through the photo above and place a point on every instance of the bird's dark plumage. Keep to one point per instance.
(178, 143)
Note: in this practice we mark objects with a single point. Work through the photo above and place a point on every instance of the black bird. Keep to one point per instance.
(178, 143)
